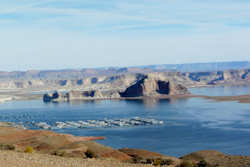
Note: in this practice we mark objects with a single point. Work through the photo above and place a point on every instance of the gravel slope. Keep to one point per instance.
(16, 159)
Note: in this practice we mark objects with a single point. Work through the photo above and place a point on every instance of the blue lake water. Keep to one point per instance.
(190, 124)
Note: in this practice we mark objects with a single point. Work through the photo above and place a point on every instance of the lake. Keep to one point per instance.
(190, 124)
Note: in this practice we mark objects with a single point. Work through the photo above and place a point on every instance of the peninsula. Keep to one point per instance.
(40, 148)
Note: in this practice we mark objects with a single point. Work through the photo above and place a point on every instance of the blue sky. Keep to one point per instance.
(52, 34)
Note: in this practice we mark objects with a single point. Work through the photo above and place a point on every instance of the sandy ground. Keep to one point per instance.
(16, 159)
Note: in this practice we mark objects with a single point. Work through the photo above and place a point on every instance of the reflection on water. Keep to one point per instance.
(73, 102)
(81, 102)
(148, 102)
(154, 103)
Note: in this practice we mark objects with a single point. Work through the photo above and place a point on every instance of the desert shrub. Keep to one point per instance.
(161, 162)
(59, 153)
(186, 164)
(29, 149)
(167, 162)
(7, 147)
(157, 162)
(203, 163)
(137, 159)
(90, 154)
(149, 161)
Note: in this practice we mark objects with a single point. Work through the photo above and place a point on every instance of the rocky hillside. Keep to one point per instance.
(220, 77)
(204, 67)
(215, 158)
(112, 71)
(63, 145)
(24, 148)
(77, 81)
(48, 142)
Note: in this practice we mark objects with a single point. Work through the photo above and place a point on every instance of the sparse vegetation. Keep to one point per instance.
(137, 159)
(18, 159)
(77, 150)
(152, 161)
(203, 163)
(90, 154)
(29, 149)
(7, 147)
(161, 162)
(187, 164)
(60, 153)
(157, 162)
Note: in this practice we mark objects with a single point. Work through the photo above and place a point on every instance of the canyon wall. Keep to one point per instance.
(122, 81)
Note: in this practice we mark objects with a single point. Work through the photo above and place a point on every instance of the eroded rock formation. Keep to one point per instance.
(148, 86)
(56, 96)
(153, 87)
(70, 80)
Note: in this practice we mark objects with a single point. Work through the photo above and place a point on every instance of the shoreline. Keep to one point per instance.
(14, 141)
(239, 98)
(38, 94)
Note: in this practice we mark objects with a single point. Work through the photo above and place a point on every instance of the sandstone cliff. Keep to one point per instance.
(153, 87)
(146, 86)
(123, 80)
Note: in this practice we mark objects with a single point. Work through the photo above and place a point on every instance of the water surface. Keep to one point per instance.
(190, 124)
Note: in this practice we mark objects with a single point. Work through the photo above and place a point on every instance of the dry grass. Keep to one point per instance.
(17, 159)
(215, 158)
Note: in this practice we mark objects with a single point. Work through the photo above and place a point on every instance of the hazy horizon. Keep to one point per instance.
(136, 66)
(53, 34)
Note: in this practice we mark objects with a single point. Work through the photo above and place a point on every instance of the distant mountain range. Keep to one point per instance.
(202, 67)
(111, 71)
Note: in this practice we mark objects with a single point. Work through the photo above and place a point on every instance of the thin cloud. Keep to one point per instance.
(37, 34)
(130, 13)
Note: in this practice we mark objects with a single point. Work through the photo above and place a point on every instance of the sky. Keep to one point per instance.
(58, 34)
